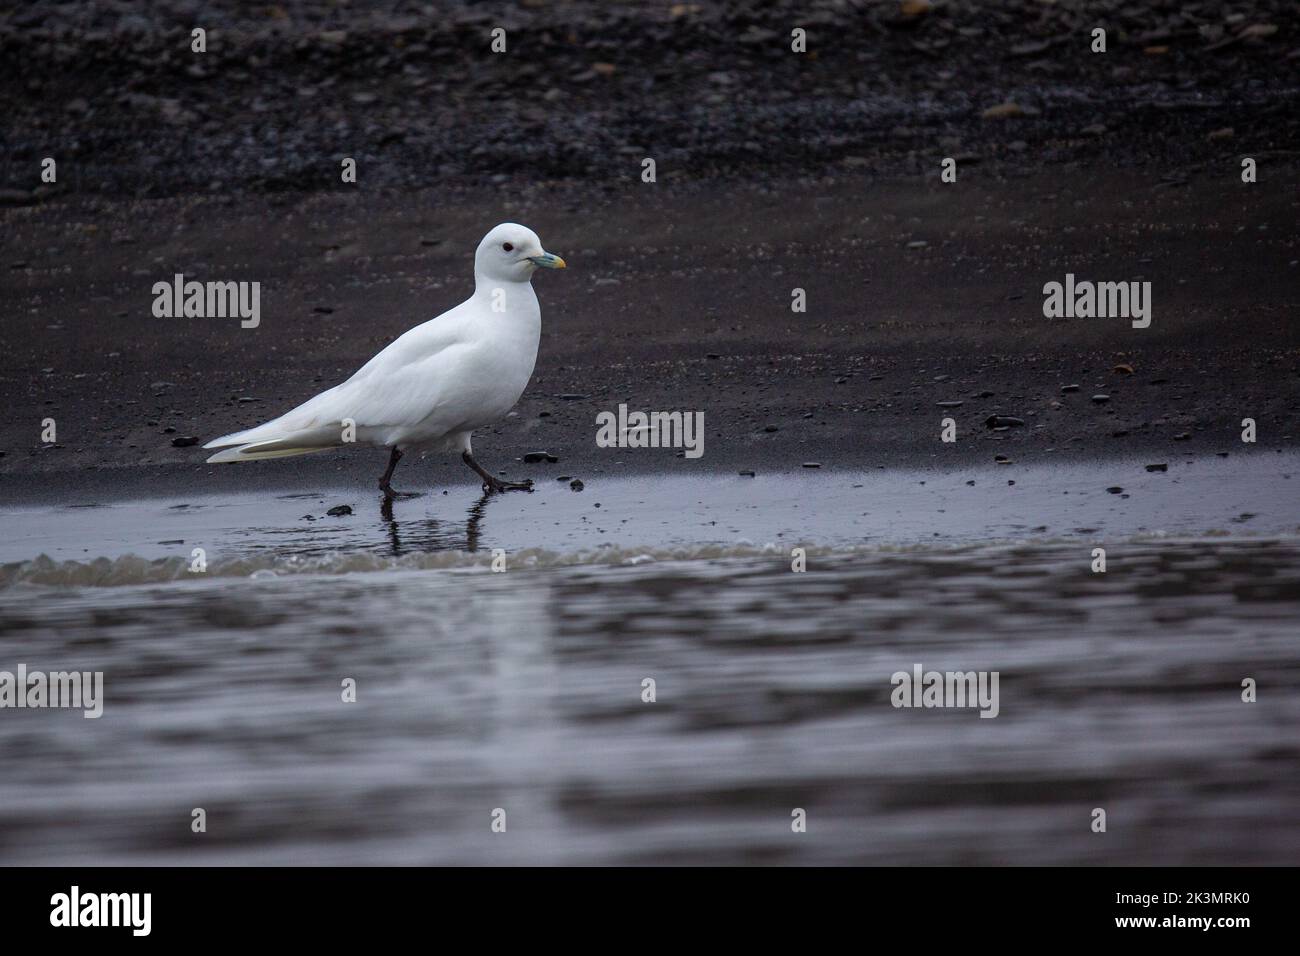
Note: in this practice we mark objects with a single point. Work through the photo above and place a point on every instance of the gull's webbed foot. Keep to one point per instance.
(492, 482)
(496, 484)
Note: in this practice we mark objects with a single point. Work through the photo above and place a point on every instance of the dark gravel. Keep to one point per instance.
(586, 90)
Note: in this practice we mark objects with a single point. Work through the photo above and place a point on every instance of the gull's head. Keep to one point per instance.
(512, 253)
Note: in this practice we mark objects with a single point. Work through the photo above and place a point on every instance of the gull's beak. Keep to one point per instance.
(547, 261)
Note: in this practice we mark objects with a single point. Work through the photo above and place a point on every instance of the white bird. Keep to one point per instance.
(432, 386)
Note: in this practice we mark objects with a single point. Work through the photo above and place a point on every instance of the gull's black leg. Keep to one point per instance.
(384, 482)
(491, 482)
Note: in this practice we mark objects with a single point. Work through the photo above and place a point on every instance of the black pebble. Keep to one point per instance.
(1003, 421)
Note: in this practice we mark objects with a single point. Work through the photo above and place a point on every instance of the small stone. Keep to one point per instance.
(1257, 31)
(1114, 490)
(1003, 111)
(812, 464)
(533, 457)
(1069, 388)
(1030, 47)
(1101, 399)
(340, 510)
(950, 404)
(1163, 466)
(576, 485)
(185, 441)
(1003, 421)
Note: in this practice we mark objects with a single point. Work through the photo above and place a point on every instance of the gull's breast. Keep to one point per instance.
(478, 384)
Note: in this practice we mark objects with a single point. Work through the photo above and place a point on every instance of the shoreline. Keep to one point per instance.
(676, 302)
(349, 472)
(618, 517)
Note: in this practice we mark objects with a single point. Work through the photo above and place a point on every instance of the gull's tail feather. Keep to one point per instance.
(297, 433)
(276, 448)
(274, 430)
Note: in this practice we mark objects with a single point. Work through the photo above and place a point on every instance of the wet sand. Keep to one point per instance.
(671, 302)
(818, 172)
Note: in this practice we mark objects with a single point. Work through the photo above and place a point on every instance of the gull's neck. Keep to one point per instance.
(483, 285)
(520, 299)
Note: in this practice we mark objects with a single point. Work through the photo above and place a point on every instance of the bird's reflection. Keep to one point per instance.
(430, 534)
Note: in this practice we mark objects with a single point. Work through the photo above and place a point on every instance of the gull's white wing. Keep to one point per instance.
(396, 389)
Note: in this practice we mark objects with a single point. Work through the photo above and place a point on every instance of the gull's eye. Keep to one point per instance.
(508, 247)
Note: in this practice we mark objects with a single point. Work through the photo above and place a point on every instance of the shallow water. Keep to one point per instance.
(617, 519)
(522, 690)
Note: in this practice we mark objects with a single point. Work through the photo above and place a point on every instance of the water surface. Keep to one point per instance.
(522, 691)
